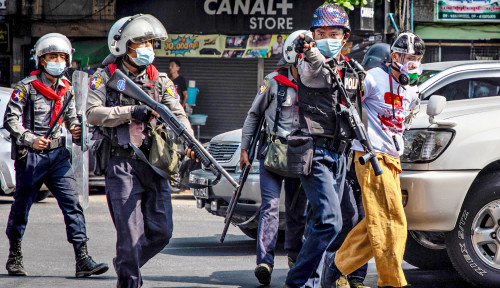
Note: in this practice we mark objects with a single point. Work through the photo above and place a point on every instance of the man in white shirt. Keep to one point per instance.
(390, 92)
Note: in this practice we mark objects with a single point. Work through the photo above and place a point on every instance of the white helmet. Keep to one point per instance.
(51, 43)
(137, 28)
(289, 54)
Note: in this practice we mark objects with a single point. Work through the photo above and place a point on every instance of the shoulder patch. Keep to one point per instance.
(18, 94)
(264, 86)
(172, 91)
(95, 82)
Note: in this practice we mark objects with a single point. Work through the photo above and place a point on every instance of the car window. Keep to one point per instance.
(470, 88)
(426, 75)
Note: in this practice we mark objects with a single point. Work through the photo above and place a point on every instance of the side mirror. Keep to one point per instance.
(435, 106)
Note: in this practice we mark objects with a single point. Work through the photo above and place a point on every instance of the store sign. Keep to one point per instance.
(221, 46)
(269, 15)
(4, 38)
(468, 10)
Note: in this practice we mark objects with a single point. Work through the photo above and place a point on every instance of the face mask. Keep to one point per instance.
(412, 74)
(145, 56)
(329, 47)
(55, 68)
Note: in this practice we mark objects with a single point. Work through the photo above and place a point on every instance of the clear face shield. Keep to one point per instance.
(145, 28)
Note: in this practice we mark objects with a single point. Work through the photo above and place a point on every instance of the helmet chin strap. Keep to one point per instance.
(131, 63)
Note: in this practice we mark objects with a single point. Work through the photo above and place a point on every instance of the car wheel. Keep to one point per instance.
(250, 232)
(42, 194)
(427, 251)
(474, 244)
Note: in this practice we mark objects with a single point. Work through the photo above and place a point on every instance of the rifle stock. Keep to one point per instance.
(243, 177)
(59, 115)
(121, 83)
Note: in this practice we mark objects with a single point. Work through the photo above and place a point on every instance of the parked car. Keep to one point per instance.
(451, 174)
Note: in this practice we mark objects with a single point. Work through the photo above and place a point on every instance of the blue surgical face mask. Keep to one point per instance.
(329, 47)
(55, 68)
(145, 56)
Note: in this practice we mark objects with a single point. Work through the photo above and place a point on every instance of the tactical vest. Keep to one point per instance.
(317, 106)
(120, 135)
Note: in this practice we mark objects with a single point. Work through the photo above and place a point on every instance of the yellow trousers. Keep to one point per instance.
(382, 233)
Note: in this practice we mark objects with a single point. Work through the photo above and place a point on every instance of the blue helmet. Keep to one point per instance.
(330, 15)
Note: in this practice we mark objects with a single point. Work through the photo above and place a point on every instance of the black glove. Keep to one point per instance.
(142, 113)
(299, 43)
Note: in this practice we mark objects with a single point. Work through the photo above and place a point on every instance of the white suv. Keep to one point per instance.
(451, 174)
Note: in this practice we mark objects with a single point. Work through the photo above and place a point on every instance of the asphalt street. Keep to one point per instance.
(194, 258)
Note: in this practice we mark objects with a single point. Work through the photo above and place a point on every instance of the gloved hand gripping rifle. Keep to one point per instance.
(121, 83)
(243, 176)
(354, 120)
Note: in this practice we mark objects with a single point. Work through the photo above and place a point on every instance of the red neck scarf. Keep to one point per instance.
(151, 71)
(51, 94)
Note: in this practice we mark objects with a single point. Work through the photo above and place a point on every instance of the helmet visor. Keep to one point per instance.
(52, 45)
(145, 28)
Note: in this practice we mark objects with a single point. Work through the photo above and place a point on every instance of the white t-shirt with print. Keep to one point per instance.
(385, 123)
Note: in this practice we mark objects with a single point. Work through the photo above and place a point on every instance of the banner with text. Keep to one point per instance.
(221, 46)
(468, 10)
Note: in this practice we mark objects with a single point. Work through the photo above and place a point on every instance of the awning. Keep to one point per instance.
(89, 52)
(465, 31)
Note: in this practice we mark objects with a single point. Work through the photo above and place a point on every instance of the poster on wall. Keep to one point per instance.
(221, 46)
(468, 10)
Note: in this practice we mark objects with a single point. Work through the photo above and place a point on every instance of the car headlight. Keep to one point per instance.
(425, 145)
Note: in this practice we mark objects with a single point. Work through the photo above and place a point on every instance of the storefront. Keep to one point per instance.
(228, 47)
(462, 31)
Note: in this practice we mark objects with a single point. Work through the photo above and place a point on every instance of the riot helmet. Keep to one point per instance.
(53, 43)
(290, 56)
(377, 55)
(138, 28)
(330, 15)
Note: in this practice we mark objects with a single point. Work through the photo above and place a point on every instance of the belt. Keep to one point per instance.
(335, 145)
(54, 144)
(127, 152)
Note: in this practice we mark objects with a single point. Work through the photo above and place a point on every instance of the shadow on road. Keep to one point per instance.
(239, 278)
(210, 246)
(435, 279)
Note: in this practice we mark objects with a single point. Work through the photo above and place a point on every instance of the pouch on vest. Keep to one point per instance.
(299, 154)
(163, 153)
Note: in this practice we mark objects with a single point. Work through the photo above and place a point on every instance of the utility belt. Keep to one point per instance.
(20, 151)
(336, 145)
(128, 152)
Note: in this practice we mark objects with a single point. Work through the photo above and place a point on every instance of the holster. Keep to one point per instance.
(102, 152)
(17, 152)
(300, 153)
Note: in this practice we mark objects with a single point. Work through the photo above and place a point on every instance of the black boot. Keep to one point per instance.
(15, 262)
(85, 266)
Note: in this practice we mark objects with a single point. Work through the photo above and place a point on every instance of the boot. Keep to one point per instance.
(15, 262)
(263, 273)
(85, 266)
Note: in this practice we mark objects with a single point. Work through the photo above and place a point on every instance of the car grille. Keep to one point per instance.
(222, 152)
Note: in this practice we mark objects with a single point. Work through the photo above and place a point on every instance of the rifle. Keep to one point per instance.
(243, 177)
(121, 83)
(354, 121)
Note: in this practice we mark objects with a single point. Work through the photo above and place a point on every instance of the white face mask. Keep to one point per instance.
(55, 68)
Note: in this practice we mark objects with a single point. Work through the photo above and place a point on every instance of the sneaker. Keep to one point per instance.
(263, 273)
(342, 282)
(356, 283)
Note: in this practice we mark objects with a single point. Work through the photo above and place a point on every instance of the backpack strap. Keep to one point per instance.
(279, 100)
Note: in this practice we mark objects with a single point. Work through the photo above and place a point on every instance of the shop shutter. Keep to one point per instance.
(227, 90)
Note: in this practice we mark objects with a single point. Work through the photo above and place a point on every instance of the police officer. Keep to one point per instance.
(318, 96)
(277, 98)
(39, 160)
(139, 199)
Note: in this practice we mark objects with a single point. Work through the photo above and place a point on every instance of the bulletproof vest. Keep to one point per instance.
(317, 109)
(352, 86)
(120, 135)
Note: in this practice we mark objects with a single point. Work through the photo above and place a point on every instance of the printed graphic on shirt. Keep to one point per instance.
(392, 120)
(95, 82)
(17, 95)
(172, 91)
(263, 87)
